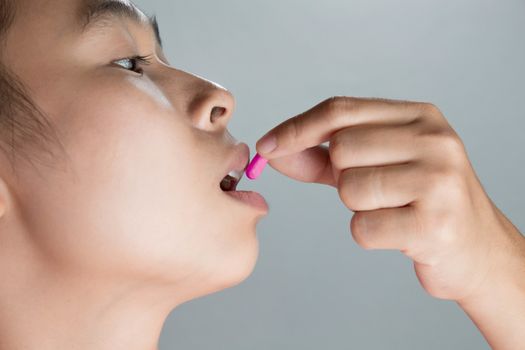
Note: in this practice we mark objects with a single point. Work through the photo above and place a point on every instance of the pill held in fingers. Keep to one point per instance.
(256, 166)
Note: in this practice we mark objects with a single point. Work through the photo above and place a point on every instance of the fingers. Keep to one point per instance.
(380, 187)
(316, 125)
(373, 145)
(391, 228)
(311, 165)
(359, 146)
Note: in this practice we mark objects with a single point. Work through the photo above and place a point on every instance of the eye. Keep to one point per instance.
(133, 63)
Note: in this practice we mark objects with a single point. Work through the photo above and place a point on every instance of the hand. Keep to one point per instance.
(405, 173)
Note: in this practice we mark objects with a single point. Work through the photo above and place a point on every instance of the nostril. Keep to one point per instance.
(217, 112)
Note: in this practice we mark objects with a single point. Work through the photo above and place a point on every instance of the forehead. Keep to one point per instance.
(79, 16)
(98, 13)
(91, 11)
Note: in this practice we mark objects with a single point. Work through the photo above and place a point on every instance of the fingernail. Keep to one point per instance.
(267, 144)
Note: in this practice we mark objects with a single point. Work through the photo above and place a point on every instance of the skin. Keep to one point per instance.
(405, 173)
(97, 249)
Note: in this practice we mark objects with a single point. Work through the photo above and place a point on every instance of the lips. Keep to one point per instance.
(237, 163)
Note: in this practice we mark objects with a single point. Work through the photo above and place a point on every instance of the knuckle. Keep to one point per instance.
(338, 150)
(432, 108)
(447, 144)
(429, 109)
(359, 231)
(452, 145)
(346, 185)
(335, 103)
(336, 107)
(354, 189)
(447, 138)
(444, 184)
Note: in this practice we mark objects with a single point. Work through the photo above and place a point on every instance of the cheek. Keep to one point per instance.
(138, 199)
(138, 181)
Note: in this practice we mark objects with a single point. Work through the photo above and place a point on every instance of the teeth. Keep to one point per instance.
(235, 174)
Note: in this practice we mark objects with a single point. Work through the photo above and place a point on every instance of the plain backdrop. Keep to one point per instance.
(313, 287)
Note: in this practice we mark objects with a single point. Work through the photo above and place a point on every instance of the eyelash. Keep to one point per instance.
(136, 62)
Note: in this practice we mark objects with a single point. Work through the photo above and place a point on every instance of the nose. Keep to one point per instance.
(212, 107)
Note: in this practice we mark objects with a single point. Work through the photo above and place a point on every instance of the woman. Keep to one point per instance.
(114, 209)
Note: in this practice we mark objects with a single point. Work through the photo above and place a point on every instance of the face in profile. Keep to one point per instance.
(135, 196)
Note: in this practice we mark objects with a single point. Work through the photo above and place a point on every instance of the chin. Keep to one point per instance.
(245, 267)
(235, 269)
(222, 265)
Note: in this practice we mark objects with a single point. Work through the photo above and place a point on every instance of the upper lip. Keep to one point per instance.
(238, 160)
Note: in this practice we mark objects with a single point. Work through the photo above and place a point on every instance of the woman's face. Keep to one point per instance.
(140, 196)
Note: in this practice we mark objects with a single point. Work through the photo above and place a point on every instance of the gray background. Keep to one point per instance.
(313, 287)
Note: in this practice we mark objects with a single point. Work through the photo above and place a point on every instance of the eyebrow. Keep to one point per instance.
(92, 12)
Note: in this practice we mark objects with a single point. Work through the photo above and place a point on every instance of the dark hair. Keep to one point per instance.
(25, 130)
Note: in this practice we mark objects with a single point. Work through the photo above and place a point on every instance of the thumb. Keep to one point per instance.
(310, 165)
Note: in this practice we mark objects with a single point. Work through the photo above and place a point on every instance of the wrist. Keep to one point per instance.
(497, 305)
(506, 263)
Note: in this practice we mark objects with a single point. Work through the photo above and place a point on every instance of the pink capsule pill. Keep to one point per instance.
(256, 166)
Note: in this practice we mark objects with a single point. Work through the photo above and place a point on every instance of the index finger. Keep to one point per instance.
(316, 125)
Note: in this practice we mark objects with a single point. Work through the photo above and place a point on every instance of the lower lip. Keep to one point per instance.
(249, 197)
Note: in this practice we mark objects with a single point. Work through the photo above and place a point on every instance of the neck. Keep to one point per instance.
(47, 309)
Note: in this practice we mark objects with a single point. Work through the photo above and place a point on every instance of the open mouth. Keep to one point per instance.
(235, 170)
(238, 161)
(230, 181)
